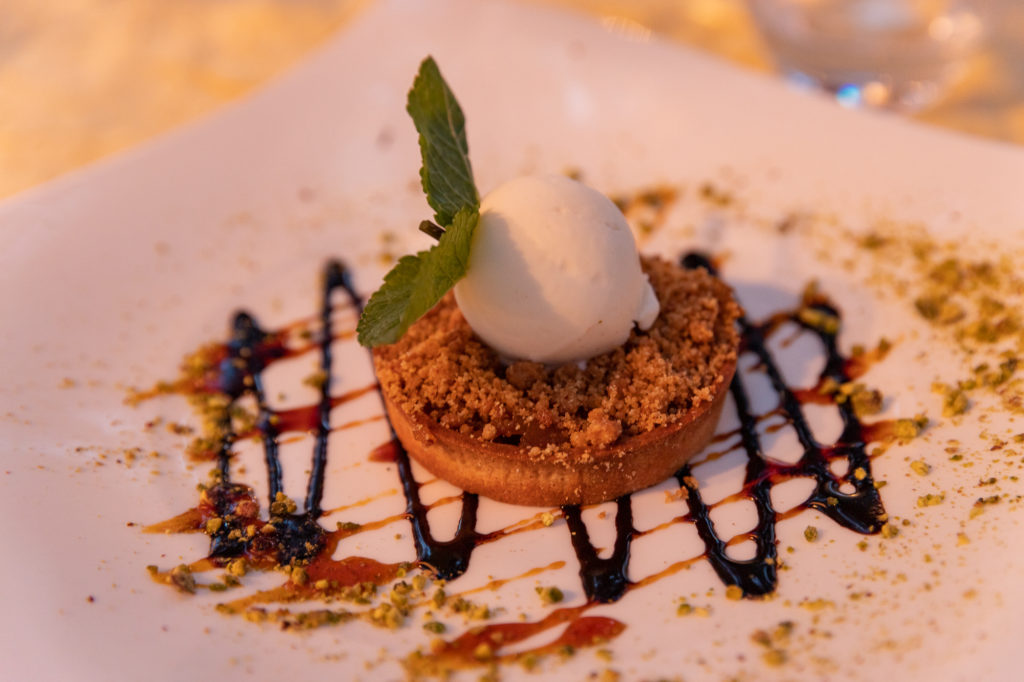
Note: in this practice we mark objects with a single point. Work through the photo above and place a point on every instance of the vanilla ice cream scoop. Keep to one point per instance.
(554, 275)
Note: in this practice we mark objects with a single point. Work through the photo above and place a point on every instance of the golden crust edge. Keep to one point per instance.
(586, 476)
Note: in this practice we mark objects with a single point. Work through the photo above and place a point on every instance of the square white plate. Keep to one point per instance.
(112, 274)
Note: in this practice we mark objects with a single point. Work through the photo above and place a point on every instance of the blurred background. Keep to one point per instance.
(81, 79)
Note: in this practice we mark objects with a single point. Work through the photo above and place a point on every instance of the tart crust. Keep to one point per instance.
(509, 473)
(500, 451)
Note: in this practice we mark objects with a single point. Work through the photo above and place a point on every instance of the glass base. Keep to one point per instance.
(904, 97)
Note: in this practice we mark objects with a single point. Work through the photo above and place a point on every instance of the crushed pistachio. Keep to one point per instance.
(361, 593)
(237, 567)
(529, 661)
(316, 380)
(299, 575)
(908, 429)
(920, 468)
(182, 578)
(387, 616)
(954, 403)
(819, 319)
(864, 401)
(549, 595)
(282, 505)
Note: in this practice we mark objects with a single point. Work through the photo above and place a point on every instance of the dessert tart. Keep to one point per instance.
(577, 433)
(532, 355)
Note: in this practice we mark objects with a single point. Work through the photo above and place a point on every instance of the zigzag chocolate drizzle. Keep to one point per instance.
(299, 535)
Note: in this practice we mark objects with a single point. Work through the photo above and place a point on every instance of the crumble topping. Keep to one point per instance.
(442, 370)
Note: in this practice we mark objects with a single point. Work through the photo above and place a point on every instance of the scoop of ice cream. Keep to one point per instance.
(554, 275)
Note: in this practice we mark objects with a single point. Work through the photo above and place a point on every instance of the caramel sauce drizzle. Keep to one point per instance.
(485, 645)
(288, 537)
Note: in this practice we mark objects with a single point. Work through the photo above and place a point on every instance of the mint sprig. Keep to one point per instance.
(446, 174)
(418, 282)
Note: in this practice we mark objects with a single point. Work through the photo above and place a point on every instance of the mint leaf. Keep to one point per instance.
(446, 174)
(381, 321)
(417, 283)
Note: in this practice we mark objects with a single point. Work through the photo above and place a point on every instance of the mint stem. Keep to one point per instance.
(432, 229)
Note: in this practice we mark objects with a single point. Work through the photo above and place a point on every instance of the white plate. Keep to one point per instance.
(112, 274)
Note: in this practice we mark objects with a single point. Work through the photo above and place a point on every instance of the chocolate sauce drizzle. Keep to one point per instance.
(335, 277)
(448, 559)
(604, 580)
(299, 536)
(860, 510)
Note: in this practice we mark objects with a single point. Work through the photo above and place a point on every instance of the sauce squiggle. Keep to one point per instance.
(294, 541)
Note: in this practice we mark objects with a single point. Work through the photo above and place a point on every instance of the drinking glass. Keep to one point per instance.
(896, 54)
